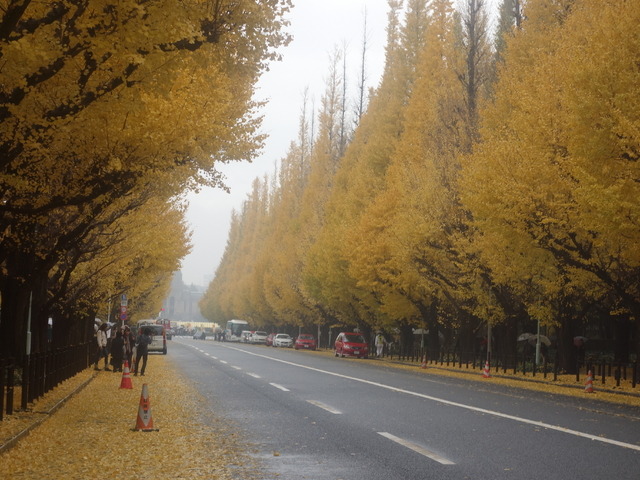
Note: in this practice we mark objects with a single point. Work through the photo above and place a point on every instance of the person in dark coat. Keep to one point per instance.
(142, 350)
(129, 345)
(117, 352)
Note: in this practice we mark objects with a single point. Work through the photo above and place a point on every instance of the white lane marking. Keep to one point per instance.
(284, 389)
(237, 368)
(222, 361)
(324, 406)
(417, 448)
(215, 358)
(515, 418)
(253, 375)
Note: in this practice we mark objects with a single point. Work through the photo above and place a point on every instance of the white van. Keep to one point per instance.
(158, 337)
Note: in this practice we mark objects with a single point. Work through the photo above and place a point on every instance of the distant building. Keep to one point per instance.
(182, 303)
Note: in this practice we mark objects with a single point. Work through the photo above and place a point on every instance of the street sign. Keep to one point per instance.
(123, 300)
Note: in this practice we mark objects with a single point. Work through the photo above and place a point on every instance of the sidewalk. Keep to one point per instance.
(91, 435)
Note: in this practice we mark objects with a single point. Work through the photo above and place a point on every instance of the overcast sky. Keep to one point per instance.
(317, 26)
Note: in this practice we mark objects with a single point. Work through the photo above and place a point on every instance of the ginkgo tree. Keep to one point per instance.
(360, 176)
(131, 256)
(100, 100)
(552, 182)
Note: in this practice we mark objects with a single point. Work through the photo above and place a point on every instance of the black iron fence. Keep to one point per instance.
(39, 373)
(603, 370)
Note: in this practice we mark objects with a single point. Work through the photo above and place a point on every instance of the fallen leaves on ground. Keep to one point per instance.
(93, 436)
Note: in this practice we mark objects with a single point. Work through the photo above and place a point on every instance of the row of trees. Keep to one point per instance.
(487, 183)
(108, 112)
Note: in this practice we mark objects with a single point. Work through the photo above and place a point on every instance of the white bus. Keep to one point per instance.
(233, 331)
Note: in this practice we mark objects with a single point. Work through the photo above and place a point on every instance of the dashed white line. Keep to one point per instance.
(253, 375)
(443, 401)
(451, 403)
(280, 387)
(417, 448)
(237, 368)
(223, 361)
(324, 406)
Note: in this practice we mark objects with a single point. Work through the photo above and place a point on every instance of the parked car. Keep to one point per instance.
(199, 334)
(269, 339)
(351, 345)
(259, 337)
(245, 336)
(282, 340)
(305, 341)
(158, 338)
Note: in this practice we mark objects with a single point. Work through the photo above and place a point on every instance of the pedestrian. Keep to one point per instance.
(101, 340)
(117, 352)
(129, 345)
(142, 350)
(380, 341)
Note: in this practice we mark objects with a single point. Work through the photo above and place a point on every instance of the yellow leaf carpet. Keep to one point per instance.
(92, 435)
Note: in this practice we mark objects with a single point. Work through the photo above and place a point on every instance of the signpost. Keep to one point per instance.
(123, 308)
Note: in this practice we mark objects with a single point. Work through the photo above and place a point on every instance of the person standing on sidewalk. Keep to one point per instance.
(129, 344)
(101, 340)
(117, 351)
(142, 350)
(380, 341)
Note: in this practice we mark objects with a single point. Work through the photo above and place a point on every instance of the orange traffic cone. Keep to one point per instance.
(589, 383)
(144, 421)
(486, 373)
(424, 361)
(126, 377)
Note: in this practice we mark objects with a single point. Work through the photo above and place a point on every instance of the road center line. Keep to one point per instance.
(417, 448)
(253, 375)
(455, 404)
(324, 406)
(280, 387)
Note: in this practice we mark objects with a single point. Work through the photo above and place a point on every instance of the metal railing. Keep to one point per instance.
(39, 373)
(603, 370)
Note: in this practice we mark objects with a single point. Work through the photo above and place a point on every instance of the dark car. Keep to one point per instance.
(305, 341)
(351, 345)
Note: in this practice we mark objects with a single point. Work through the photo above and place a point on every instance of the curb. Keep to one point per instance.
(19, 436)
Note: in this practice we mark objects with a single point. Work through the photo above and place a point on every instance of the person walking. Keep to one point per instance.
(101, 340)
(117, 351)
(379, 342)
(142, 350)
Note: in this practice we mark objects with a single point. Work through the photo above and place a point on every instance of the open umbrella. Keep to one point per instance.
(526, 336)
(533, 339)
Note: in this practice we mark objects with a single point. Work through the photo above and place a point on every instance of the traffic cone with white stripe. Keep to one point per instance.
(424, 361)
(126, 376)
(486, 373)
(144, 422)
(589, 383)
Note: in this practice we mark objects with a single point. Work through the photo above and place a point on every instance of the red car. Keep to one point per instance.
(351, 345)
(305, 341)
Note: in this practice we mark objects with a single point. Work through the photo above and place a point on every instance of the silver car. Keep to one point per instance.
(258, 337)
(282, 340)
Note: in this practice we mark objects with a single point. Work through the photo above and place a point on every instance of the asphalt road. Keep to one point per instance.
(318, 417)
